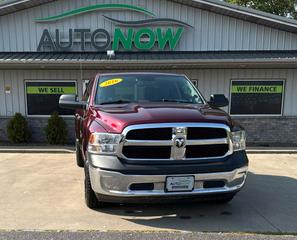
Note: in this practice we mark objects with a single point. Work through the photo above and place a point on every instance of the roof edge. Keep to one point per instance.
(251, 11)
(245, 13)
(9, 3)
(217, 6)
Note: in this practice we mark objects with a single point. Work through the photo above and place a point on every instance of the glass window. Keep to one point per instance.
(257, 97)
(43, 96)
(146, 88)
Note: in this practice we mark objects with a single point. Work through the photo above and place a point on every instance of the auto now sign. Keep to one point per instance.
(152, 32)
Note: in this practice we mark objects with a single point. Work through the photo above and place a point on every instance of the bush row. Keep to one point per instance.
(19, 132)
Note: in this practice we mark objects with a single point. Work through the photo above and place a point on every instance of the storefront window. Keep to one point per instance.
(43, 96)
(257, 97)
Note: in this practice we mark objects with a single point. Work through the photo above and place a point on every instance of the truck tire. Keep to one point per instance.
(90, 197)
(79, 158)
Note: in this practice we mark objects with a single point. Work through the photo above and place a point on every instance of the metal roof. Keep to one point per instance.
(217, 6)
(148, 60)
(85, 57)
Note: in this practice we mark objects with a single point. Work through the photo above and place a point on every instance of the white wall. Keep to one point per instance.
(19, 31)
(210, 81)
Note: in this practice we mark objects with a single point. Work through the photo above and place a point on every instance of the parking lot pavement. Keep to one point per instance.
(45, 192)
(50, 235)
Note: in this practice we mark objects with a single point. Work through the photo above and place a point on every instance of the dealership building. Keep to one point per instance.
(50, 47)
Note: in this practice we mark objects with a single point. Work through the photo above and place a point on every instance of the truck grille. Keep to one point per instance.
(179, 141)
(150, 134)
(205, 151)
(206, 133)
(166, 133)
(151, 152)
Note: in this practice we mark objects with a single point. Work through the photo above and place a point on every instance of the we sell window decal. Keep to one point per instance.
(43, 97)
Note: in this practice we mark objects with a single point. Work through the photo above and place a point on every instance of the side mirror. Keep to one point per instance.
(218, 101)
(69, 101)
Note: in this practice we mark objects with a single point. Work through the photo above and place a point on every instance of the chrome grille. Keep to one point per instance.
(150, 134)
(175, 141)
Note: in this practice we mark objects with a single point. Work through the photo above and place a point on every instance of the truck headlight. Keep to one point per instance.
(104, 143)
(238, 140)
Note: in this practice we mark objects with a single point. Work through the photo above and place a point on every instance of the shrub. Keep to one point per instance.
(17, 129)
(56, 132)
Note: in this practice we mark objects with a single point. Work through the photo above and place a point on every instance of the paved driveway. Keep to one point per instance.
(45, 192)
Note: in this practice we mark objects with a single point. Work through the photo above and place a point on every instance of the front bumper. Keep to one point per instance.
(115, 184)
(112, 177)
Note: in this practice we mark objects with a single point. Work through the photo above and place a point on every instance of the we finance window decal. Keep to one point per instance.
(257, 97)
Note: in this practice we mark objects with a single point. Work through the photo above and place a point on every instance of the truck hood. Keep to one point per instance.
(114, 118)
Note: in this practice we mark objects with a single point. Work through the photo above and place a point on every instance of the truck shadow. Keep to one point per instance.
(266, 204)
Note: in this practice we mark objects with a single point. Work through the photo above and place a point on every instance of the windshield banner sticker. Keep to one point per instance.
(111, 82)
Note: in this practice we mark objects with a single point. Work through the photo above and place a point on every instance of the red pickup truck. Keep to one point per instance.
(152, 136)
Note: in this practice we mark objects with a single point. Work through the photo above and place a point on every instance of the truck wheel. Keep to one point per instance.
(90, 197)
(79, 158)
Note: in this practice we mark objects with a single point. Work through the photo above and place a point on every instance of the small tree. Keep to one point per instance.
(17, 129)
(56, 132)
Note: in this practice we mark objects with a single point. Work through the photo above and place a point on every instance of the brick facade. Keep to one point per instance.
(270, 131)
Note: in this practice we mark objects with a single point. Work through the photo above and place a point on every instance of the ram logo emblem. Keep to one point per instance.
(179, 142)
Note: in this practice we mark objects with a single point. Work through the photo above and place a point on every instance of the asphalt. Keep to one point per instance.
(29, 235)
(44, 192)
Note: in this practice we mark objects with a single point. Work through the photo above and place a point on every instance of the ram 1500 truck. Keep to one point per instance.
(152, 136)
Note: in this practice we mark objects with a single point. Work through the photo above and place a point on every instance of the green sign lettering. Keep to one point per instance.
(146, 38)
(92, 8)
(266, 89)
(139, 44)
(119, 37)
(50, 90)
(169, 37)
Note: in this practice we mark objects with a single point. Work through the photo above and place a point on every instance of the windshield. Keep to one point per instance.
(114, 89)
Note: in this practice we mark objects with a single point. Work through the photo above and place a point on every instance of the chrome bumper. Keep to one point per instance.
(117, 185)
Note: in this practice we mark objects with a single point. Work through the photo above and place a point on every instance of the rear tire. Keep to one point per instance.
(90, 196)
(79, 158)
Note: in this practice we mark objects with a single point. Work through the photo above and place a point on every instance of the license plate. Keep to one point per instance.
(180, 184)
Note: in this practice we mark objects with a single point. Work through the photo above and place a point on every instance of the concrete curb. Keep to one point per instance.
(36, 150)
(272, 151)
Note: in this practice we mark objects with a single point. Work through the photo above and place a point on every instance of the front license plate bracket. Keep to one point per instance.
(179, 184)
